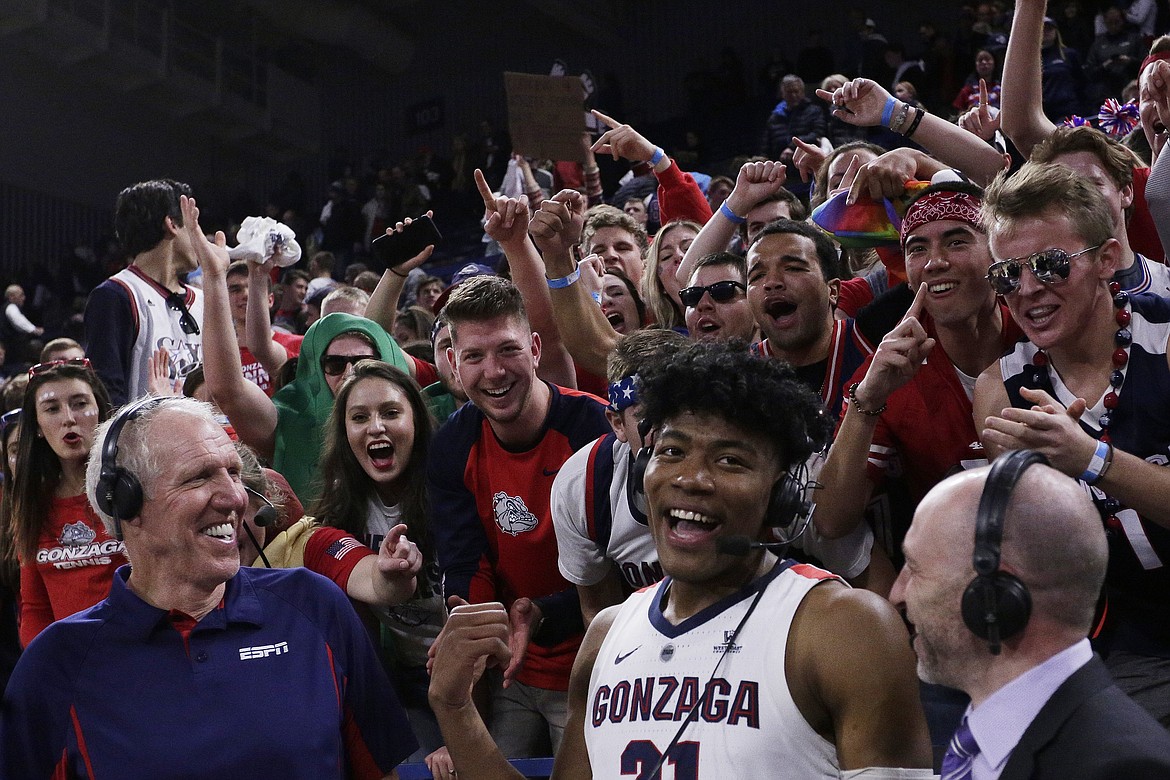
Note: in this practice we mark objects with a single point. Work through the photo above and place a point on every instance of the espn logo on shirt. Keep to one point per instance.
(263, 651)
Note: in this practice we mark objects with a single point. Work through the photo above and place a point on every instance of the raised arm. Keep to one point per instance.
(754, 182)
(1155, 104)
(532, 189)
(383, 304)
(258, 321)
(507, 223)
(1158, 198)
(1021, 95)
(847, 488)
(679, 197)
(556, 229)
(249, 410)
(865, 103)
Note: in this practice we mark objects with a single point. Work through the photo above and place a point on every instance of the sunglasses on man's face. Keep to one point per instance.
(335, 365)
(1052, 266)
(186, 321)
(41, 368)
(720, 292)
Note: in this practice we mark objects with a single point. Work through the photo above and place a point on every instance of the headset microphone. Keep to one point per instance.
(739, 545)
(265, 516)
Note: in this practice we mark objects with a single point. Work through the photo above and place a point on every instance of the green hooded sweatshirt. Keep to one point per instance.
(303, 405)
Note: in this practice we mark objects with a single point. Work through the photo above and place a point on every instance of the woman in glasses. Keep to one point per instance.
(290, 426)
(287, 429)
(67, 559)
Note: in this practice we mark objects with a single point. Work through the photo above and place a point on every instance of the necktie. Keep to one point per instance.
(956, 764)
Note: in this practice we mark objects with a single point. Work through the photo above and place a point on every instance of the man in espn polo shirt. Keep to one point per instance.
(194, 667)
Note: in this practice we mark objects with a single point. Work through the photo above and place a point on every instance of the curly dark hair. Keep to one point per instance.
(140, 211)
(753, 394)
(344, 500)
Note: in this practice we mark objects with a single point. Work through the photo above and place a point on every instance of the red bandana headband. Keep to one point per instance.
(1162, 55)
(940, 205)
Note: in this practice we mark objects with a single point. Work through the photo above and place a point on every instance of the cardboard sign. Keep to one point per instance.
(544, 116)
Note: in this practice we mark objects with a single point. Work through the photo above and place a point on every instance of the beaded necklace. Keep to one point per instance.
(1122, 341)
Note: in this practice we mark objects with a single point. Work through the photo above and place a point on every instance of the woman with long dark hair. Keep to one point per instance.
(67, 559)
(373, 469)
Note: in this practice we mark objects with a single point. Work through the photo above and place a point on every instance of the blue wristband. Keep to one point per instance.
(726, 211)
(564, 281)
(657, 158)
(888, 111)
(1096, 463)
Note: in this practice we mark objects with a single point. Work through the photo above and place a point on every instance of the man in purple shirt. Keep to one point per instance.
(1042, 704)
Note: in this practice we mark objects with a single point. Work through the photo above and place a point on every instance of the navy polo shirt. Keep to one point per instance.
(280, 681)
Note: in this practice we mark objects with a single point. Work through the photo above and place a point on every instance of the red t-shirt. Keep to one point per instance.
(72, 569)
(255, 373)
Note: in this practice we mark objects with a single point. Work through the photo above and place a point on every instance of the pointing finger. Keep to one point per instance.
(919, 304)
(608, 120)
(485, 192)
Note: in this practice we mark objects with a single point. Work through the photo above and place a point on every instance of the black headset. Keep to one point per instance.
(786, 503)
(118, 491)
(996, 605)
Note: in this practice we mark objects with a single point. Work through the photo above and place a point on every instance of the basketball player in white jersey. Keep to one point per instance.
(738, 664)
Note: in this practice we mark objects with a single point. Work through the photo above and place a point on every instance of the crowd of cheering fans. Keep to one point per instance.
(657, 461)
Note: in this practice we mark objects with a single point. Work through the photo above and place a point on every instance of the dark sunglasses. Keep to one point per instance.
(335, 365)
(1051, 266)
(7, 420)
(41, 368)
(176, 303)
(720, 292)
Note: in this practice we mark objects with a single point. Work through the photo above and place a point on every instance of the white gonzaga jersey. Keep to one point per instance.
(160, 326)
(650, 675)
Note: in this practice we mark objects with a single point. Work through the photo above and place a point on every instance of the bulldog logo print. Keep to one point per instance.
(512, 516)
(77, 534)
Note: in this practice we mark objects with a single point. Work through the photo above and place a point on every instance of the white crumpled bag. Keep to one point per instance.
(259, 238)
